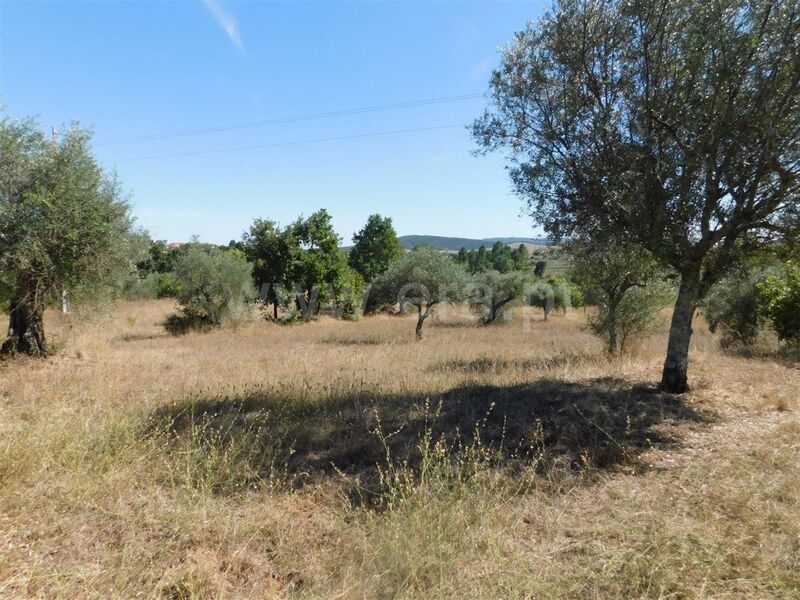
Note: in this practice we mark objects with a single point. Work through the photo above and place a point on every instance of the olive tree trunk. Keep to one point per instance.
(421, 316)
(26, 328)
(674, 378)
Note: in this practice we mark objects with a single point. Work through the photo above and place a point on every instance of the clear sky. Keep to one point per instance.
(134, 68)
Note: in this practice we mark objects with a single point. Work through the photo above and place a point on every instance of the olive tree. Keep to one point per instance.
(64, 226)
(625, 283)
(214, 285)
(494, 292)
(671, 123)
(423, 278)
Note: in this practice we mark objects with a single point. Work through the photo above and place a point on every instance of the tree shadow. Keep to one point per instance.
(488, 364)
(601, 424)
(784, 355)
(355, 341)
(140, 337)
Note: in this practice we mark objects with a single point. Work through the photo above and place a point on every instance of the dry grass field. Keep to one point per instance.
(343, 460)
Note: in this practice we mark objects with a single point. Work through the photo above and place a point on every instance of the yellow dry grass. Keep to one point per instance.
(344, 460)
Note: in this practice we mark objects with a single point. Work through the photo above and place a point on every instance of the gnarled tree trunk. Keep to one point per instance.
(421, 316)
(26, 327)
(675, 375)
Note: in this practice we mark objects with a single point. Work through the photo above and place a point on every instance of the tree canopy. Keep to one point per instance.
(375, 247)
(423, 278)
(672, 123)
(64, 225)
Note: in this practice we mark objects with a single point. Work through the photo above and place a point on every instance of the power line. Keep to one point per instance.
(292, 143)
(294, 119)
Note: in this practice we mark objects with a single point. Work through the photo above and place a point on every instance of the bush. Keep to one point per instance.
(213, 286)
(635, 316)
(348, 294)
(549, 295)
(150, 287)
(733, 307)
(780, 302)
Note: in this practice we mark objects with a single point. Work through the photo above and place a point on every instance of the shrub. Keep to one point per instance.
(214, 286)
(732, 307)
(348, 294)
(153, 285)
(636, 314)
(781, 302)
(625, 283)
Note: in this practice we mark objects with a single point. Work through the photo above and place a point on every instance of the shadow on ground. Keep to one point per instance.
(601, 423)
(355, 341)
(140, 337)
(499, 365)
(784, 355)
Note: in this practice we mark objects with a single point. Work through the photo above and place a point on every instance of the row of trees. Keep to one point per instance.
(501, 258)
(304, 261)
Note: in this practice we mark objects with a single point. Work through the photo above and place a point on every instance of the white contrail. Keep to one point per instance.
(227, 21)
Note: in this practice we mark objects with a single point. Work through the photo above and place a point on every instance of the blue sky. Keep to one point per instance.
(134, 68)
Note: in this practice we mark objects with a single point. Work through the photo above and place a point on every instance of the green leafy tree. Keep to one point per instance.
(522, 258)
(214, 285)
(423, 278)
(462, 256)
(375, 247)
(317, 264)
(669, 123)
(270, 250)
(781, 302)
(64, 226)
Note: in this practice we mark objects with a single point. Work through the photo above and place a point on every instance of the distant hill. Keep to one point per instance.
(456, 243)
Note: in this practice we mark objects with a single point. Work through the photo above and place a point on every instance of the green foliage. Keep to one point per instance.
(317, 265)
(151, 286)
(349, 294)
(548, 295)
(625, 283)
(501, 258)
(672, 125)
(214, 286)
(635, 315)
(425, 275)
(64, 222)
(493, 292)
(302, 266)
(733, 306)
(270, 249)
(160, 259)
(781, 302)
(375, 247)
(423, 278)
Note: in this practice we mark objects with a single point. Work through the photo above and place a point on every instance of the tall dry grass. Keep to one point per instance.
(344, 460)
